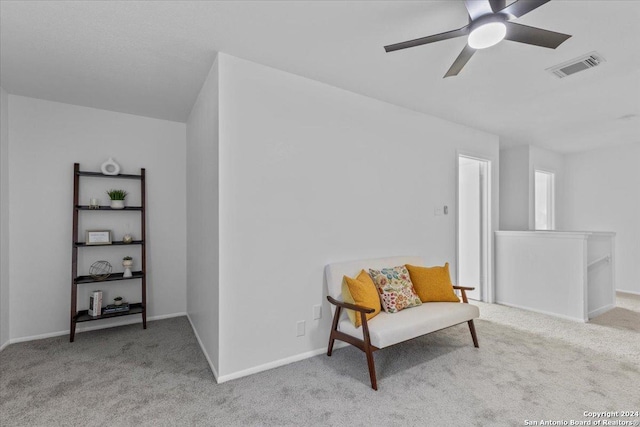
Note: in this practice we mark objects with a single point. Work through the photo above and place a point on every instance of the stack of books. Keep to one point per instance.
(95, 303)
(111, 308)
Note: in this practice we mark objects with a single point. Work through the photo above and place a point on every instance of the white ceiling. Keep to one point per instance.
(151, 57)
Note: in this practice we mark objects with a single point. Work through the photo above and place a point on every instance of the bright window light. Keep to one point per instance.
(544, 200)
(487, 35)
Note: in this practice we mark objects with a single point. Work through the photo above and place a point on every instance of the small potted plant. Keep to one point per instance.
(117, 198)
(117, 301)
(127, 263)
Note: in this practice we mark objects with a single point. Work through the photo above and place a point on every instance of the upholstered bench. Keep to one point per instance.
(387, 329)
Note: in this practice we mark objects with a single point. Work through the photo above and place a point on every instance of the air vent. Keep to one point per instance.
(576, 65)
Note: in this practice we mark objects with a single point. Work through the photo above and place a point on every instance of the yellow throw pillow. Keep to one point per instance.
(360, 291)
(432, 284)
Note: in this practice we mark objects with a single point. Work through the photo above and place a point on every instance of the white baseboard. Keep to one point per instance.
(165, 316)
(91, 328)
(548, 313)
(628, 292)
(275, 364)
(204, 351)
(4, 345)
(601, 310)
(278, 363)
(38, 337)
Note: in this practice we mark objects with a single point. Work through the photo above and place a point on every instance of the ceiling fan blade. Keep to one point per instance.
(477, 8)
(497, 5)
(460, 61)
(535, 36)
(429, 39)
(522, 7)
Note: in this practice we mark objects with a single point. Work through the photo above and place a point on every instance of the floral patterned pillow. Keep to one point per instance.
(395, 288)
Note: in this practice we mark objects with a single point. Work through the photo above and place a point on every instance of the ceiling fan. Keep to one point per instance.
(489, 23)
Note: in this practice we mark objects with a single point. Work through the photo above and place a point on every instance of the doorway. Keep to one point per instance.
(473, 225)
(543, 202)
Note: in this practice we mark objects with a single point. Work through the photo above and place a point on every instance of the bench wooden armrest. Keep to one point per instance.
(462, 291)
(342, 304)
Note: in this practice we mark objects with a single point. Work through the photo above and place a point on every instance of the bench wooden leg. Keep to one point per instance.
(364, 345)
(372, 369)
(334, 328)
(331, 341)
(472, 328)
(368, 350)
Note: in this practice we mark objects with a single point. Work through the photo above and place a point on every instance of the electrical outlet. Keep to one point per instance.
(300, 326)
(317, 312)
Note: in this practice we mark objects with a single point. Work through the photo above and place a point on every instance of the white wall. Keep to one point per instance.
(45, 139)
(4, 218)
(514, 188)
(602, 194)
(312, 174)
(202, 218)
(517, 196)
(543, 271)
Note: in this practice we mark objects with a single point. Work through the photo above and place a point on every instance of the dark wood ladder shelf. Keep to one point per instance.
(101, 175)
(83, 315)
(84, 245)
(137, 308)
(109, 208)
(112, 277)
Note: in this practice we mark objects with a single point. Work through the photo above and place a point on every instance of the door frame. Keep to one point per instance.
(486, 288)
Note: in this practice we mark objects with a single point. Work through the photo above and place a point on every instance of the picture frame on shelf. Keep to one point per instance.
(98, 237)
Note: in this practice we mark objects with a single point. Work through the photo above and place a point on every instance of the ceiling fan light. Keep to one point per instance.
(487, 35)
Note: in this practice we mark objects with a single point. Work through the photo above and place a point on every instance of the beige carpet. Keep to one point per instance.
(529, 367)
(625, 316)
(608, 334)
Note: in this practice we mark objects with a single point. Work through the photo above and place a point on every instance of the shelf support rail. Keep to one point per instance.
(606, 258)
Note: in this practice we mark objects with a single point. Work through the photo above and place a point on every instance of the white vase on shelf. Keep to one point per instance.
(127, 264)
(110, 167)
(117, 204)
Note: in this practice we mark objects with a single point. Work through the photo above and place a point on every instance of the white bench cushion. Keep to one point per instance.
(388, 329)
